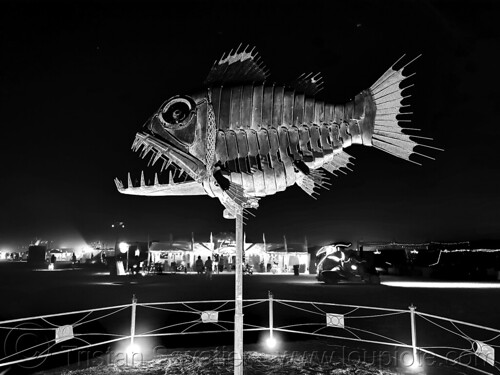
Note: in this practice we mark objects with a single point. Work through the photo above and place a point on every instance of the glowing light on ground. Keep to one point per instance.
(442, 284)
(133, 349)
(271, 342)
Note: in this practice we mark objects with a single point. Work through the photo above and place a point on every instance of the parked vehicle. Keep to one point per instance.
(339, 264)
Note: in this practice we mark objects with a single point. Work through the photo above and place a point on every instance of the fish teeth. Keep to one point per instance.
(145, 151)
(150, 162)
(119, 184)
(135, 145)
(142, 179)
(129, 181)
(166, 164)
(158, 156)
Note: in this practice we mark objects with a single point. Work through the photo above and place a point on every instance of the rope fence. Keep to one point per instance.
(469, 345)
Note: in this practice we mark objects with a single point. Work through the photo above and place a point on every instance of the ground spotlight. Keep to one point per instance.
(133, 349)
(410, 365)
(271, 342)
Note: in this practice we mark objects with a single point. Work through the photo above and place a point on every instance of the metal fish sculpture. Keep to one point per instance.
(242, 138)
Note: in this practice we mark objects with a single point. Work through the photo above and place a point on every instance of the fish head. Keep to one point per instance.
(176, 133)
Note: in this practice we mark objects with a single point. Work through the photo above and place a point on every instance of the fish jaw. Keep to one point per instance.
(189, 164)
(159, 190)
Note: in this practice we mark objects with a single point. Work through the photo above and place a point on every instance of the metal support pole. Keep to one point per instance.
(413, 335)
(126, 269)
(271, 316)
(238, 315)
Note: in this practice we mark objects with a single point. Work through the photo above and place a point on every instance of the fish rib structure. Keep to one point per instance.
(242, 138)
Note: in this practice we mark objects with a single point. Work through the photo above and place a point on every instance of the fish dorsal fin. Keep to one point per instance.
(309, 84)
(240, 66)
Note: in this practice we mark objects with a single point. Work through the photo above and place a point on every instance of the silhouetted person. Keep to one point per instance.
(208, 267)
(199, 265)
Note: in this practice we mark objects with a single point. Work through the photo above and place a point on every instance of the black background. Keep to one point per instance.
(78, 79)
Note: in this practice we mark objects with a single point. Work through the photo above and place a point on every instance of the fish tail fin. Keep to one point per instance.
(385, 121)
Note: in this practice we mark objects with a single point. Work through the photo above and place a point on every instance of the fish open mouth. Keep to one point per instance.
(183, 169)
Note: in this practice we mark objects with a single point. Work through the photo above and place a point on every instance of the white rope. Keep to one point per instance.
(446, 329)
(27, 329)
(253, 304)
(493, 338)
(79, 338)
(352, 333)
(457, 321)
(171, 310)
(462, 332)
(63, 314)
(100, 317)
(297, 308)
(324, 312)
(350, 312)
(30, 348)
(376, 316)
(224, 304)
(61, 352)
(192, 325)
(219, 325)
(254, 326)
(299, 325)
(376, 334)
(344, 338)
(49, 323)
(341, 305)
(167, 327)
(195, 302)
(78, 321)
(99, 334)
(191, 308)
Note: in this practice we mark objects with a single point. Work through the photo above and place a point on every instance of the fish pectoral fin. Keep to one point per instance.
(339, 162)
(234, 191)
(314, 180)
(310, 179)
(307, 184)
(237, 194)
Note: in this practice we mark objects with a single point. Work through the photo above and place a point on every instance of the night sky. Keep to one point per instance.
(78, 80)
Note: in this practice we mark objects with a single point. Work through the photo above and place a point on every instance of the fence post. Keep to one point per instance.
(271, 339)
(413, 334)
(132, 325)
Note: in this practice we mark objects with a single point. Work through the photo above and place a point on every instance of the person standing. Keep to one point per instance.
(199, 265)
(52, 262)
(216, 263)
(208, 267)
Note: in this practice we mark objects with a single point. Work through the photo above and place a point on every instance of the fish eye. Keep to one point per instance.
(176, 111)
